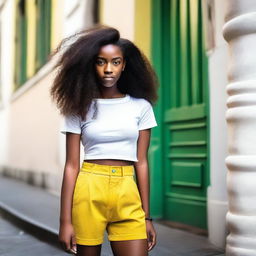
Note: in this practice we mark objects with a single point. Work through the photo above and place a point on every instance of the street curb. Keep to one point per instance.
(37, 229)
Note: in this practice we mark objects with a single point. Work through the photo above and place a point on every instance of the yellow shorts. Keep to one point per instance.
(107, 198)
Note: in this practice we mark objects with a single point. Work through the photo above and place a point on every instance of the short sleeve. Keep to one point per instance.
(72, 123)
(147, 118)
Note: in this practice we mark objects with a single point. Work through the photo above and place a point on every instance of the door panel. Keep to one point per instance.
(183, 77)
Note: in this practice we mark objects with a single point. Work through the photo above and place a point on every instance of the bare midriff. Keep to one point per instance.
(110, 162)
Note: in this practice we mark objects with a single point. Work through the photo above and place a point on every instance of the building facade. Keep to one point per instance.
(184, 41)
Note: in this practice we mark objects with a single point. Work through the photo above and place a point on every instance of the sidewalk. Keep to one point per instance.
(39, 210)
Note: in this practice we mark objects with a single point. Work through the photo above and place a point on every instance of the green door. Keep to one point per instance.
(180, 61)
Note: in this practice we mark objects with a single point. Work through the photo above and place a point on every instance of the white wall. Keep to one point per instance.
(119, 14)
(6, 70)
(217, 191)
(33, 130)
(31, 146)
(77, 16)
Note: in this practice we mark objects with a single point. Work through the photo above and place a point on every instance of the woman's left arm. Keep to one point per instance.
(142, 176)
(142, 169)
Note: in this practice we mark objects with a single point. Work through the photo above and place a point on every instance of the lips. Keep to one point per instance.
(108, 78)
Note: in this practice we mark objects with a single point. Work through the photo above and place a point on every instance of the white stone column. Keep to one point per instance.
(240, 33)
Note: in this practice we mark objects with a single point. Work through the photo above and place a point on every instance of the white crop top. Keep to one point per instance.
(114, 132)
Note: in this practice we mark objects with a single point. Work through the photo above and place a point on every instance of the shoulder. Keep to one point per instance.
(141, 102)
(71, 123)
(72, 118)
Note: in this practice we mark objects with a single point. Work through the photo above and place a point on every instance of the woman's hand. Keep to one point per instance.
(151, 233)
(67, 237)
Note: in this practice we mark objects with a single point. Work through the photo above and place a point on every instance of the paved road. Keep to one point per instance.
(37, 206)
(16, 242)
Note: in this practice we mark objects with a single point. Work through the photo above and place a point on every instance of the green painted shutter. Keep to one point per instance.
(180, 61)
(21, 44)
(43, 27)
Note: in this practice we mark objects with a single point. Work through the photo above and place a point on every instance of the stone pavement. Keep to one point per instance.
(15, 241)
(38, 211)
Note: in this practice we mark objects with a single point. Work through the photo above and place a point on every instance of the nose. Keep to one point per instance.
(108, 69)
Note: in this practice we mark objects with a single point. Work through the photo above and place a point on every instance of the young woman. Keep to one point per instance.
(105, 88)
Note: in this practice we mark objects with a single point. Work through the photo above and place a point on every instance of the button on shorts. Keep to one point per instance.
(107, 198)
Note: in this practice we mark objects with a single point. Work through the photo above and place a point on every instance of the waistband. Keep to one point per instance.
(113, 170)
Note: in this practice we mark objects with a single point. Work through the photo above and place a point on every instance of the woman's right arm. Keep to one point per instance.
(71, 170)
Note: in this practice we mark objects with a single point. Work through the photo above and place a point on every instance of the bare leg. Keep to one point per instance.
(88, 250)
(130, 247)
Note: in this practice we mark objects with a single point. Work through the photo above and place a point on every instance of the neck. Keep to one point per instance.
(112, 92)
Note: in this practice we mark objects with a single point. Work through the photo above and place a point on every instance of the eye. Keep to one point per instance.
(116, 62)
(100, 62)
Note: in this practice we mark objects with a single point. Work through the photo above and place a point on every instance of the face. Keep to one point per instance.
(109, 65)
